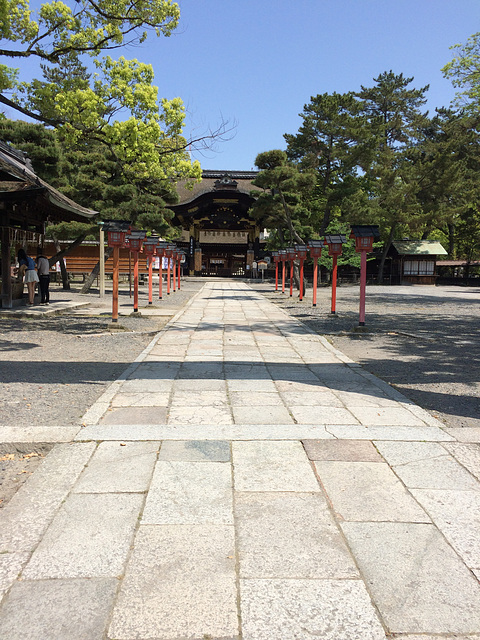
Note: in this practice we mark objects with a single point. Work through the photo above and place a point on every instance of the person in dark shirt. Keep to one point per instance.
(43, 271)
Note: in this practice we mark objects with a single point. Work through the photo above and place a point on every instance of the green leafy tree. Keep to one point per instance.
(281, 203)
(118, 105)
(330, 142)
(395, 121)
(464, 72)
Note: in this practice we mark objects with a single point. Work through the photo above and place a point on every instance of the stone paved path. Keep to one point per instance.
(244, 480)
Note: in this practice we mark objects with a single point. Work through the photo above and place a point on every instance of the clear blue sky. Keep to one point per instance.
(257, 62)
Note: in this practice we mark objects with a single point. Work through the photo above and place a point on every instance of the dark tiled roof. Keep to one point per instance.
(13, 164)
(209, 178)
(365, 230)
(335, 239)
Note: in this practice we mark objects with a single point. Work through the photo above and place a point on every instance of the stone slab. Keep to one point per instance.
(208, 384)
(464, 434)
(311, 399)
(457, 515)
(37, 434)
(342, 450)
(119, 467)
(199, 399)
(195, 450)
(419, 467)
(192, 414)
(89, 538)
(272, 466)
(371, 398)
(134, 415)
(401, 453)
(57, 609)
(141, 399)
(138, 385)
(395, 416)
(189, 493)
(407, 434)
(368, 491)
(180, 583)
(255, 399)
(29, 512)
(205, 432)
(245, 386)
(289, 535)
(266, 414)
(324, 415)
(304, 609)
(467, 455)
(10, 566)
(416, 580)
(299, 386)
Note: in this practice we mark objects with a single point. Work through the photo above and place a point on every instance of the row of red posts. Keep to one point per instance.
(364, 237)
(120, 235)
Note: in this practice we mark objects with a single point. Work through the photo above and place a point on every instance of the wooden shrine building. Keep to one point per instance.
(27, 203)
(219, 237)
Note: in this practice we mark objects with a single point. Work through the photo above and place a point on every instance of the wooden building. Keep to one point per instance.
(27, 203)
(219, 237)
(414, 261)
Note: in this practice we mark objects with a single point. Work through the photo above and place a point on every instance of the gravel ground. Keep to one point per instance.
(423, 340)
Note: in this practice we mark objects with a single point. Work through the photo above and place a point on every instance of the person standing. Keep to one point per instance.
(43, 270)
(27, 265)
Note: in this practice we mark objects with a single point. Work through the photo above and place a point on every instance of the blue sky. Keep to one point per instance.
(257, 63)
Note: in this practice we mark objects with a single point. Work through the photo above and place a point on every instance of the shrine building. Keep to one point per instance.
(219, 237)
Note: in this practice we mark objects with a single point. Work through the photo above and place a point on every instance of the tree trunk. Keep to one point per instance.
(451, 240)
(90, 279)
(386, 247)
(63, 269)
(61, 253)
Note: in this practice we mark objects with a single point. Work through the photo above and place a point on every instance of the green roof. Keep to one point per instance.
(419, 248)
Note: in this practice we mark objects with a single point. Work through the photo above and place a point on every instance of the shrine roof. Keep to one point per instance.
(239, 182)
(419, 248)
(18, 178)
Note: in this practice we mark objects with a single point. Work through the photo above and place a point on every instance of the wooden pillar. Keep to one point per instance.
(198, 261)
(6, 293)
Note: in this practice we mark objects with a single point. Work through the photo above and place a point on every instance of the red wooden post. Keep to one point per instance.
(364, 236)
(363, 287)
(283, 258)
(174, 271)
(169, 254)
(301, 251)
(135, 280)
(315, 248)
(334, 242)
(116, 256)
(160, 277)
(291, 256)
(116, 239)
(276, 259)
(161, 248)
(149, 247)
(135, 242)
(334, 283)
